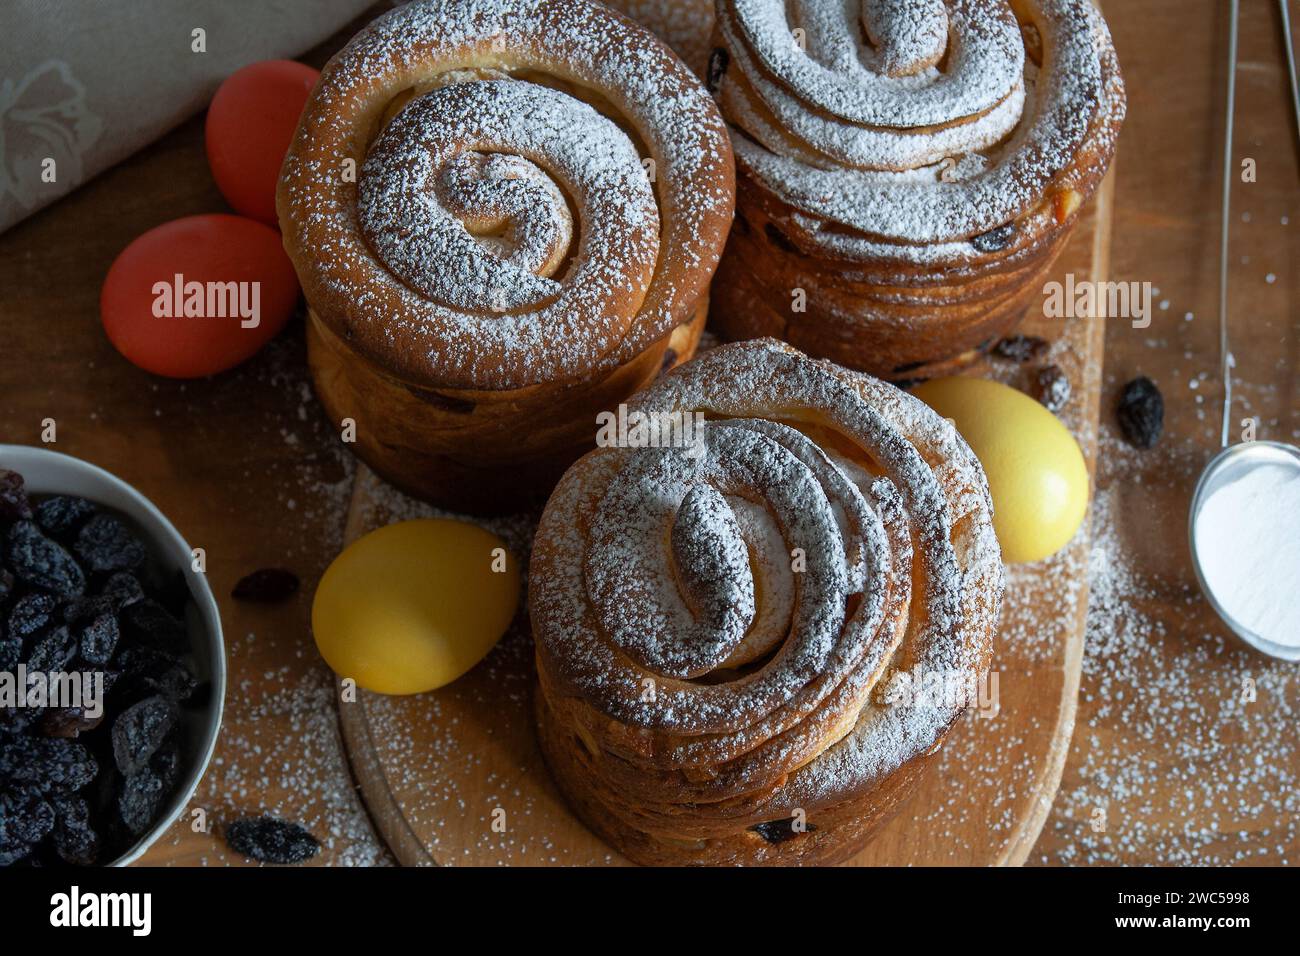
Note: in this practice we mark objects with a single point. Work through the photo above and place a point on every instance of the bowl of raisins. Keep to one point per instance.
(112, 665)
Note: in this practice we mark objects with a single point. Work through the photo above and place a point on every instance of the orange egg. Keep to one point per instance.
(250, 124)
(198, 295)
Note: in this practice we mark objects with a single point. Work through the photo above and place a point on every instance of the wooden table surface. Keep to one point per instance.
(1172, 760)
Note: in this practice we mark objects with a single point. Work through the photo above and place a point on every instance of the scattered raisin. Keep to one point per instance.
(106, 544)
(61, 515)
(43, 563)
(271, 840)
(1141, 412)
(778, 831)
(140, 730)
(1021, 348)
(266, 586)
(1052, 387)
(995, 240)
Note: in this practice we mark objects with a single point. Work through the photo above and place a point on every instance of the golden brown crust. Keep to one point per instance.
(904, 247)
(722, 628)
(517, 204)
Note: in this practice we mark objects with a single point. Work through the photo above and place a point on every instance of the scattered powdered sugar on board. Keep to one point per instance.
(1186, 750)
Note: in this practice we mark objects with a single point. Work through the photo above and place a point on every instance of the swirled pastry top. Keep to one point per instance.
(821, 533)
(493, 194)
(918, 121)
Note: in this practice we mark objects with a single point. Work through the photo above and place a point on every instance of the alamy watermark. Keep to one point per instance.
(83, 690)
(636, 429)
(180, 299)
(945, 688)
(1083, 299)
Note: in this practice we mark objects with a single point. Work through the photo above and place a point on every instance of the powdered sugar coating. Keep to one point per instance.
(415, 307)
(874, 144)
(912, 493)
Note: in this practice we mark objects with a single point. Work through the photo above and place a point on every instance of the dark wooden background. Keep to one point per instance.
(246, 467)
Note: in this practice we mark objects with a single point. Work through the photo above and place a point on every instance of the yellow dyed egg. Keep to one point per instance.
(1036, 472)
(412, 606)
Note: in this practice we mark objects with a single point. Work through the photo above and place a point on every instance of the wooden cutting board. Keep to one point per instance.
(455, 776)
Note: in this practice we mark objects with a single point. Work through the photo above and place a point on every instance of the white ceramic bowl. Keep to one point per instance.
(46, 472)
(1228, 465)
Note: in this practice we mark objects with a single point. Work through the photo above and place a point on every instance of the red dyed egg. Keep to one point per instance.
(198, 295)
(250, 124)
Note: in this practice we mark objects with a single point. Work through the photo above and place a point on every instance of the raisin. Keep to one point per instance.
(995, 240)
(61, 515)
(778, 831)
(43, 563)
(31, 615)
(166, 763)
(99, 640)
(152, 672)
(152, 624)
(106, 544)
(11, 651)
(271, 840)
(1141, 412)
(75, 840)
(25, 821)
(139, 799)
(266, 586)
(1021, 348)
(1052, 387)
(719, 60)
(46, 764)
(52, 652)
(122, 589)
(14, 505)
(23, 824)
(6, 585)
(19, 720)
(139, 731)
